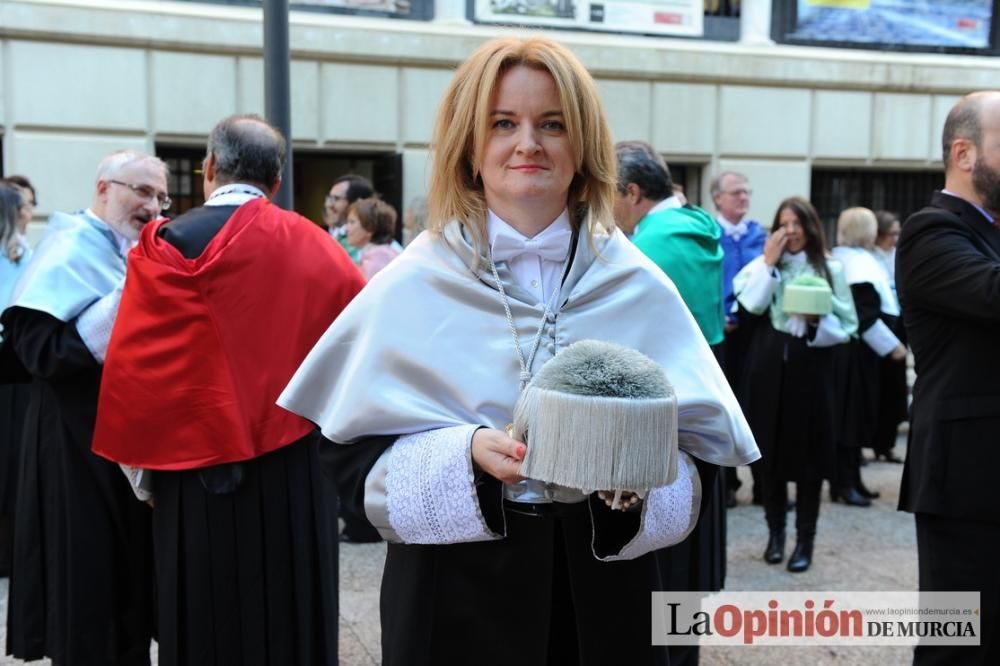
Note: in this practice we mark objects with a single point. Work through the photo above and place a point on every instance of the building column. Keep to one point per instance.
(450, 11)
(755, 22)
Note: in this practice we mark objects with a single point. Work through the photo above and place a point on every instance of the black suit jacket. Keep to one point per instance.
(948, 280)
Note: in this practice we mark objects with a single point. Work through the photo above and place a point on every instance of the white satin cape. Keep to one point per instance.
(426, 345)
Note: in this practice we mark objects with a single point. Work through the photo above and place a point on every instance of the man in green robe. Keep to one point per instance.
(683, 240)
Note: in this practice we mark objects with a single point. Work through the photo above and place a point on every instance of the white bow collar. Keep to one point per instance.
(550, 244)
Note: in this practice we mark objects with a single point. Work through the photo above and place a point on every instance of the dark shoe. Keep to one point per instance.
(757, 499)
(730, 499)
(802, 555)
(367, 538)
(865, 492)
(775, 551)
(889, 457)
(790, 506)
(849, 496)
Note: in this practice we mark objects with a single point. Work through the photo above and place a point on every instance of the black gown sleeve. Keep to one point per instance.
(867, 303)
(349, 464)
(46, 347)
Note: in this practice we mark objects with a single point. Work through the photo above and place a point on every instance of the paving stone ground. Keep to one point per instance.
(856, 549)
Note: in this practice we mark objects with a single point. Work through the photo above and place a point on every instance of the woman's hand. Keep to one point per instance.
(498, 455)
(774, 247)
(899, 353)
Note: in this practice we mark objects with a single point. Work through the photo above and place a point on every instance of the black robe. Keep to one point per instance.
(246, 553)
(871, 389)
(81, 589)
(788, 396)
(13, 407)
(893, 394)
(568, 608)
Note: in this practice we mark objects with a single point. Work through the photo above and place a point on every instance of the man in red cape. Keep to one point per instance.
(220, 307)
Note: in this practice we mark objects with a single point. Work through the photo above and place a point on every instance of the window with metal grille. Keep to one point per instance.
(898, 191)
(185, 184)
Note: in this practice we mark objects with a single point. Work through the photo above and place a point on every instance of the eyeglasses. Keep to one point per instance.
(146, 192)
(742, 191)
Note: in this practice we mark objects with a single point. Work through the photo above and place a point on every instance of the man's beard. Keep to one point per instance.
(986, 183)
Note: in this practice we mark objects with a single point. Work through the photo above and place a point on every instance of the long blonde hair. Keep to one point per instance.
(461, 129)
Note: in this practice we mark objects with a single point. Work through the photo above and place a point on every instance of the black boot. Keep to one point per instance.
(775, 551)
(802, 555)
(865, 492)
(849, 496)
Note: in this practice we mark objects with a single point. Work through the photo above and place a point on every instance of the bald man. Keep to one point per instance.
(220, 307)
(948, 279)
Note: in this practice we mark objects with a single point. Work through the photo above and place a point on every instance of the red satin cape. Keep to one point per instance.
(202, 347)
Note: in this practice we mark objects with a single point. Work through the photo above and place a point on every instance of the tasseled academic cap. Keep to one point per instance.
(599, 417)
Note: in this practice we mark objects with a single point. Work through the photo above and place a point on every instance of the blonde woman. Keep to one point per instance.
(861, 364)
(419, 376)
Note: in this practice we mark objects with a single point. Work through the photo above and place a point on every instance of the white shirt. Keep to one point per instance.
(534, 274)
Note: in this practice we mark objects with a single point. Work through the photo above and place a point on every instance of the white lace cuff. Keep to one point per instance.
(668, 514)
(756, 293)
(95, 323)
(828, 333)
(429, 494)
(880, 338)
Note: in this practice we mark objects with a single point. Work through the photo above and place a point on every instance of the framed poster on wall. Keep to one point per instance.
(649, 17)
(935, 25)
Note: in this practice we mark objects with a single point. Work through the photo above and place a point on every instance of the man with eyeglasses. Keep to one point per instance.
(683, 241)
(81, 586)
(220, 308)
(344, 191)
(742, 240)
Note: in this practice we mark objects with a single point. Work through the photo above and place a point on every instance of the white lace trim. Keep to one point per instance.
(96, 322)
(430, 489)
(669, 514)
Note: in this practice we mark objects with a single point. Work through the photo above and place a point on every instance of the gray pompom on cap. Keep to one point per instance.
(599, 416)
(591, 367)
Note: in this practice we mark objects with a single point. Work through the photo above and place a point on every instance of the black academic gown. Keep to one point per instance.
(246, 553)
(540, 579)
(13, 406)
(81, 589)
(893, 393)
(857, 373)
(788, 396)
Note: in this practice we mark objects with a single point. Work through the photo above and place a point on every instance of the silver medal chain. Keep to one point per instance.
(525, 375)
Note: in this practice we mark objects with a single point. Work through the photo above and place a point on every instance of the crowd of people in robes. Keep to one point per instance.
(191, 404)
(812, 388)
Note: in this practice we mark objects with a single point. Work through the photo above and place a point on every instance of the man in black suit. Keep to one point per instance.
(948, 278)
